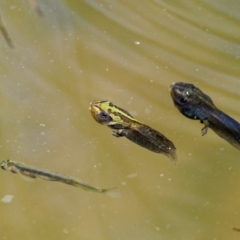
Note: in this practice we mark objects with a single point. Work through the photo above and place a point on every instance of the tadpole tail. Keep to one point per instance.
(153, 140)
(112, 192)
(172, 155)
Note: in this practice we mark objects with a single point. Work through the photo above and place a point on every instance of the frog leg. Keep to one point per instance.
(206, 125)
(120, 132)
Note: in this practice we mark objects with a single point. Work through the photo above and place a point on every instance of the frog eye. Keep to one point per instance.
(103, 115)
(183, 100)
(104, 118)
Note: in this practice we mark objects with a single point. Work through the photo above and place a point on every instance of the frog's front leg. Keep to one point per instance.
(206, 125)
(120, 133)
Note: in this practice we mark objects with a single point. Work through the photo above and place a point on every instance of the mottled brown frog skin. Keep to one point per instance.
(194, 104)
(124, 125)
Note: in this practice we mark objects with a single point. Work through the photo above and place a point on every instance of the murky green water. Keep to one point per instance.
(128, 52)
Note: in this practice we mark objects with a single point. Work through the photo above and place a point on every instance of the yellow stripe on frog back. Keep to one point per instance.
(120, 115)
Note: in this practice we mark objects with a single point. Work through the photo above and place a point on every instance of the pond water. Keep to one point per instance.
(128, 52)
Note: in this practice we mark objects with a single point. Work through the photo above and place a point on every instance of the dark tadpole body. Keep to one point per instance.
(195, 104)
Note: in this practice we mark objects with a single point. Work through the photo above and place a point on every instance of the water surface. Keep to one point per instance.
(129, 53)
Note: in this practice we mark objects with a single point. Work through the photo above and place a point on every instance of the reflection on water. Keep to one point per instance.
(128, 53)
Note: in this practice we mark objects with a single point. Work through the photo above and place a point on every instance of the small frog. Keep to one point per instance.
(195, 104)
(124, 125)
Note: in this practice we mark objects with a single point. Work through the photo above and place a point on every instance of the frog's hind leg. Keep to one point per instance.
(119, 133)
(206, 125)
